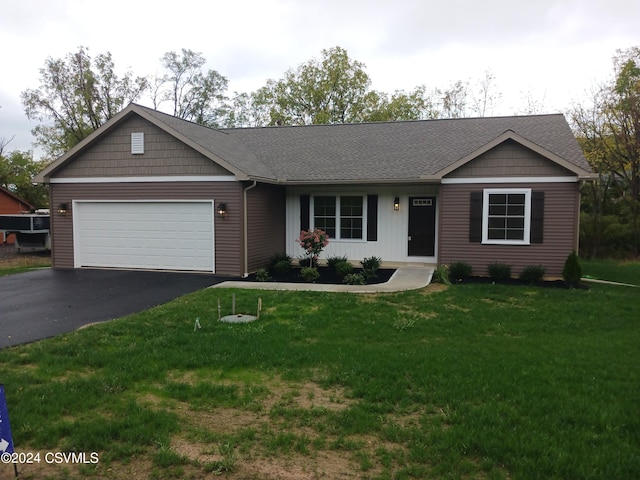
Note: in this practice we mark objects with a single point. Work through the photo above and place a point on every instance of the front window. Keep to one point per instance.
(506, 216)
(342, 217)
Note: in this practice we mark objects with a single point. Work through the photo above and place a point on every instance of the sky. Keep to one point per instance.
(551, 52)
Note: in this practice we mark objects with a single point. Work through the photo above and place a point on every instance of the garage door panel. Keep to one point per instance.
(148, 235)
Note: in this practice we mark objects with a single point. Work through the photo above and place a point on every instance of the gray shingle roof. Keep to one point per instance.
(350, 153)
(395, 151)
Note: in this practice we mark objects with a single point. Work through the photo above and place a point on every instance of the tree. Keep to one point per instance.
(485, 98)
(609, 131)
(195, 95)
(330, 90)
(453, 101)
(17, 170)
(401, 105)
(76, 96)
(251, 109)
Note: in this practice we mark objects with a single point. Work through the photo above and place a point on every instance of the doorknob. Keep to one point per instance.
(409, 237)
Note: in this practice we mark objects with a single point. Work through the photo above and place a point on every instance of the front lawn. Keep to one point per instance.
(612, 270)
(467, 381)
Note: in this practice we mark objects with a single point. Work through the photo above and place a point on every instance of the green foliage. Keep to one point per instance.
(17, 170)
(278, 257)
(533, 274)
(355, 279)
(77, 95)
(371, 263)
(195, 95)
(441, 275)
(262, 275)
(499, 271)
(330, 90)
(609, 133)
(310, 274)
(572, 272)
(282, 267)
(458, 271)
(343, 268)
(335, 260)
(605, 236)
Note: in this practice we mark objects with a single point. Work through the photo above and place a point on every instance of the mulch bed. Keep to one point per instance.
(327, 276)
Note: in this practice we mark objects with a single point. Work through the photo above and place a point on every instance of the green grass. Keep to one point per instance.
(474, 381)
(612, 270)
(24, 263)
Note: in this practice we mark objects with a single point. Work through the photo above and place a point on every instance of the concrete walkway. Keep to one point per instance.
(407, 277)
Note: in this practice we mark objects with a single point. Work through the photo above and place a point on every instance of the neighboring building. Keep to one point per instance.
(148, 190)
(11, 204)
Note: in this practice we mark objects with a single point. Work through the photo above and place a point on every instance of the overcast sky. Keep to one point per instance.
(551, 50)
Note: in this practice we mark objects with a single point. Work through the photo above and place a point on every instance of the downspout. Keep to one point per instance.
(245, 229)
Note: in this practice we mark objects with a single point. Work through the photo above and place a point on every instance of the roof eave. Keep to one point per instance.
(370, 181)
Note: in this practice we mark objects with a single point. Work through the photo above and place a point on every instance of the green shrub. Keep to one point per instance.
(371, 263)
(572, 272)
(282, 267)
(335, 260)
(343, 269)
(533, 274)
(278, 257)
(262, 275)
(310, 274)
(458, 271)
(354, 279)
(499, 271)
(441, 275)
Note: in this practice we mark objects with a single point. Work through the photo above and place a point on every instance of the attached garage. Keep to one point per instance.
(160, 235)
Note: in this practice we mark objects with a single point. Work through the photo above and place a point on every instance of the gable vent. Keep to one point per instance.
(137, 143)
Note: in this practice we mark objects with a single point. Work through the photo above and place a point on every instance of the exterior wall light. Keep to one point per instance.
(396, 204)
(62, 209)
(221, 210)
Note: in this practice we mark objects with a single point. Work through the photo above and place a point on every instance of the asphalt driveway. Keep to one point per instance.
(43, 303)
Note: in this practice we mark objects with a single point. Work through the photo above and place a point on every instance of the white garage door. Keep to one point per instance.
(147, 235)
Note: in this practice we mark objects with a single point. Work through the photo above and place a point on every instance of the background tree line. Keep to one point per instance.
(79, 93)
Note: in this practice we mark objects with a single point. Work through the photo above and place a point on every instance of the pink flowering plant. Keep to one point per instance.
(312, 242)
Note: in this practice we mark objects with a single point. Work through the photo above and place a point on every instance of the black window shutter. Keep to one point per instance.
(304, 212)
(372, 218)
(475, 217)
(537, 217)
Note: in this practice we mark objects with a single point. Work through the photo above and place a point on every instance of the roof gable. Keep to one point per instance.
(382, 152)
(503, 139)
(14, 200)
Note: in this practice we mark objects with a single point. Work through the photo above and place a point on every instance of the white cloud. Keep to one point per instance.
(554, 49)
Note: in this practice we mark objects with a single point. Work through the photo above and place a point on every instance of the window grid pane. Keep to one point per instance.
(343, 216)
(506, 216)
(324, 214)
(351, 217)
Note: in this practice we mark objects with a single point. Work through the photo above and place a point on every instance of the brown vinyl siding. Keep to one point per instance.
(561, 208)
(266, 220)
(509, 159)
(228, 242)
(110, 155)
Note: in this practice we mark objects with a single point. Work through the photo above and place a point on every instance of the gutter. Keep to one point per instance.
(245, 232)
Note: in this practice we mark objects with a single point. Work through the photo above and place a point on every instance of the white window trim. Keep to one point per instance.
(312, 217)
(527, 215)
